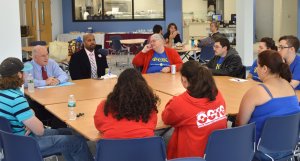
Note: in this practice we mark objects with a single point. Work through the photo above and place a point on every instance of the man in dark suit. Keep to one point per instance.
(88, 62)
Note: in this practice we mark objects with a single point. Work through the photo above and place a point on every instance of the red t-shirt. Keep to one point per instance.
(193, 119)
(113, 128)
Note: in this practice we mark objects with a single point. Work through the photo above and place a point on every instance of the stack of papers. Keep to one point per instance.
(238, 80)
(59, 85)
(109, 76)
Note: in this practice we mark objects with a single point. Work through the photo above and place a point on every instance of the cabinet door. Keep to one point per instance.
(45, 23)
(31, 18)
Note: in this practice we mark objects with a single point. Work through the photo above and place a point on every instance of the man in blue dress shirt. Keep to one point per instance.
(46, 72)
(287, 48)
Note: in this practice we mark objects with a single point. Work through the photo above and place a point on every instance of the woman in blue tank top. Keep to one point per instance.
(274, 97)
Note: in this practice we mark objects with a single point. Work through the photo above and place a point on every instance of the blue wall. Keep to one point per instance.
(173, 14)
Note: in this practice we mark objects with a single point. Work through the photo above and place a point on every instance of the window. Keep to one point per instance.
(153, 9)
(118, 10)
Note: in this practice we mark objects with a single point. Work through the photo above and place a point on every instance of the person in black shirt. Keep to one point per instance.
(172, 35)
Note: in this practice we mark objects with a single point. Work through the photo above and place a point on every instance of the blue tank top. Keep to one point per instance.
(274, 107)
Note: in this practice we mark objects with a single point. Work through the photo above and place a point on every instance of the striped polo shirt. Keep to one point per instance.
(15, 108)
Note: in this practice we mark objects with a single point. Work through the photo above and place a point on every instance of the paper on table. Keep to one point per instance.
(238, 80)
(108, 76)
(59, 85)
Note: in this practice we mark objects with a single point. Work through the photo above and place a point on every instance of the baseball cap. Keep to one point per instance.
(11, 66)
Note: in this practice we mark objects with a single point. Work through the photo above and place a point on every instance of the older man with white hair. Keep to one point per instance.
(46, 72)
(155, 57)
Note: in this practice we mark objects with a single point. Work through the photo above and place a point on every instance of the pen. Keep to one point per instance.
(237, 79)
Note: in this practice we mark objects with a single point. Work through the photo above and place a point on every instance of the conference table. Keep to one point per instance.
(232, 89)
(89, 93)
(84, 89)
(85, 124)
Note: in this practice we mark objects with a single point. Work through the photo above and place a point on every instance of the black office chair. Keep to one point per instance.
(118, 49)
(242, 73)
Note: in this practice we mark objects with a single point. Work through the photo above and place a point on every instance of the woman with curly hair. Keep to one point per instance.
(130, 110)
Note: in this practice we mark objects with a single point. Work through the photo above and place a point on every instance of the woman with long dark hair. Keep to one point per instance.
(274, 97)
(195, 113)
(172, 35)
(130, 110)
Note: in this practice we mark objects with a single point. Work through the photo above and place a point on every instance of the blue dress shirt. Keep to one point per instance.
(52, 69)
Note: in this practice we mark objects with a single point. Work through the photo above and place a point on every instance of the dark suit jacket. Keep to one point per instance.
(80, 67)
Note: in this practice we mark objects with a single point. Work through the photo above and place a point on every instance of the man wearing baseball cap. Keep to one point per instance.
(11, 66)
(15, 108)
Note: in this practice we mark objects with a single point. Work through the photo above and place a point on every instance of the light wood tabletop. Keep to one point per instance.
(84, 89)
(130, 41)
(232, 91)
(85, 124)
(186, 48)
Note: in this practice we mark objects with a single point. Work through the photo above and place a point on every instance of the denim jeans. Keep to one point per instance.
(72, 147)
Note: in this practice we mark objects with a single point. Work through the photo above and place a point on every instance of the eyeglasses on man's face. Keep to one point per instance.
(283, 47)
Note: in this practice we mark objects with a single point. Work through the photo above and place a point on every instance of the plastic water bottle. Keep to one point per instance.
(30, 83)
(71, 106)
(192, 42)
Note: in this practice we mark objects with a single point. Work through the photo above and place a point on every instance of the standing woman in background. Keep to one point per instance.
(172, 35)
(195, 113)
(266, 43)
(130, 110)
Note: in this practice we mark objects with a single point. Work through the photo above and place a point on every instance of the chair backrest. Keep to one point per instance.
(35, 43)
(5, 125)
(279, 134)
(17, 147)
(116, 42)
(236, 144)
(140, 149)
(188, 159)
(242, 73)
(207, 53)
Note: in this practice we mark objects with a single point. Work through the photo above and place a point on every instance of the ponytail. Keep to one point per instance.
(201, 81)
(284, 72)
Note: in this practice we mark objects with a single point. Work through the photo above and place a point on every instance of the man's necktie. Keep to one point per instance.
(44, 74)
(93, 66)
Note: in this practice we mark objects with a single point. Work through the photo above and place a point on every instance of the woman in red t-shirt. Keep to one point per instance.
(130, 110)
(195, 113)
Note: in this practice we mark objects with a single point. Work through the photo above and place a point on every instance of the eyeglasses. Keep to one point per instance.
(216, 46)
(283, 47)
